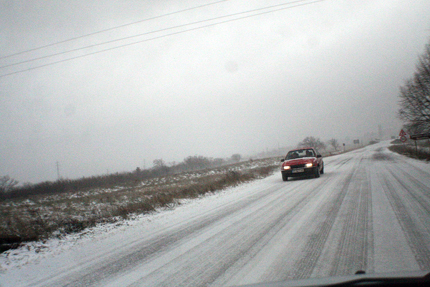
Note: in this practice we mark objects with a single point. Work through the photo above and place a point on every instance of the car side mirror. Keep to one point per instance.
(282, 160)
(318, 155)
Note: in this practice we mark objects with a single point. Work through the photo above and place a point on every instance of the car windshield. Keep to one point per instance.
(300, 154)
(212, 142)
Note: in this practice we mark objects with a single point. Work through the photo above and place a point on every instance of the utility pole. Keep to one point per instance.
(58, 171)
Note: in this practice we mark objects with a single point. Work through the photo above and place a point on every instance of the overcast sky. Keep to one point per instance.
(330, 69)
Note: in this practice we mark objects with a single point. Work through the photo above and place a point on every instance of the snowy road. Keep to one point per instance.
(369, 211)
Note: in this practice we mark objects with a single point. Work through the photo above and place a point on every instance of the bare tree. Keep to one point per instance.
(159, 163)
(334, 143)
(218, 161)
(197, 162)
(312, 142)
(7, 183)
(160, 167)
(236, 157)
(415, 97)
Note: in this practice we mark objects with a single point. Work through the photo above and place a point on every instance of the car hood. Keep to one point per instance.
(298, 161)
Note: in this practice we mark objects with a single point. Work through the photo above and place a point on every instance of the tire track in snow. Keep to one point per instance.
(356, 240)
(143, 251)
(421, 192)
(407, 161)
(342, 162)
(146, 250)
(231, 246)
(230, 250)
(271, 261)
(417, 239)
(421, 195)
(312, 250)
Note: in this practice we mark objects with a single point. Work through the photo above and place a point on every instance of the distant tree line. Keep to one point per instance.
(319, 144)
(8, 188)
(192, 163)
(415, 97)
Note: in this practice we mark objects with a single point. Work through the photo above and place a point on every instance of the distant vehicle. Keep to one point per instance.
(302, 162)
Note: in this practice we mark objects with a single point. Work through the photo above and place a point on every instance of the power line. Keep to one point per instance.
(148, 33)
(110, 29)
(163, 36)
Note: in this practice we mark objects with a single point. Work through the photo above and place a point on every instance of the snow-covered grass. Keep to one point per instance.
(33, 220)
(411, 151)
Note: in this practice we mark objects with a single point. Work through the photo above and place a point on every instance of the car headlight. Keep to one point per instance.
(309, 165)
(287, 167)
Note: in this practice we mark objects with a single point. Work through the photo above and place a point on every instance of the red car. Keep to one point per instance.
(302, 162)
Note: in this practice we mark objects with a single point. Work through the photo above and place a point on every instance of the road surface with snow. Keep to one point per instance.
(369, 211)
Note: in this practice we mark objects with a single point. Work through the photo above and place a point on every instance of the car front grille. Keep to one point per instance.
(298, 166)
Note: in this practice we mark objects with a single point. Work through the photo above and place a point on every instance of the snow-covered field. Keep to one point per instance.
(66, 211)
(369, 211)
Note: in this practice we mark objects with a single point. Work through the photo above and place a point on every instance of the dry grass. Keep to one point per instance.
(37, 217)
(411, 151)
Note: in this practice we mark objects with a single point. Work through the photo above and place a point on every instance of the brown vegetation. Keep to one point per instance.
(410, 151)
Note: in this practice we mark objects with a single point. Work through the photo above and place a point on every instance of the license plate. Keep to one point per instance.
(297, 170)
